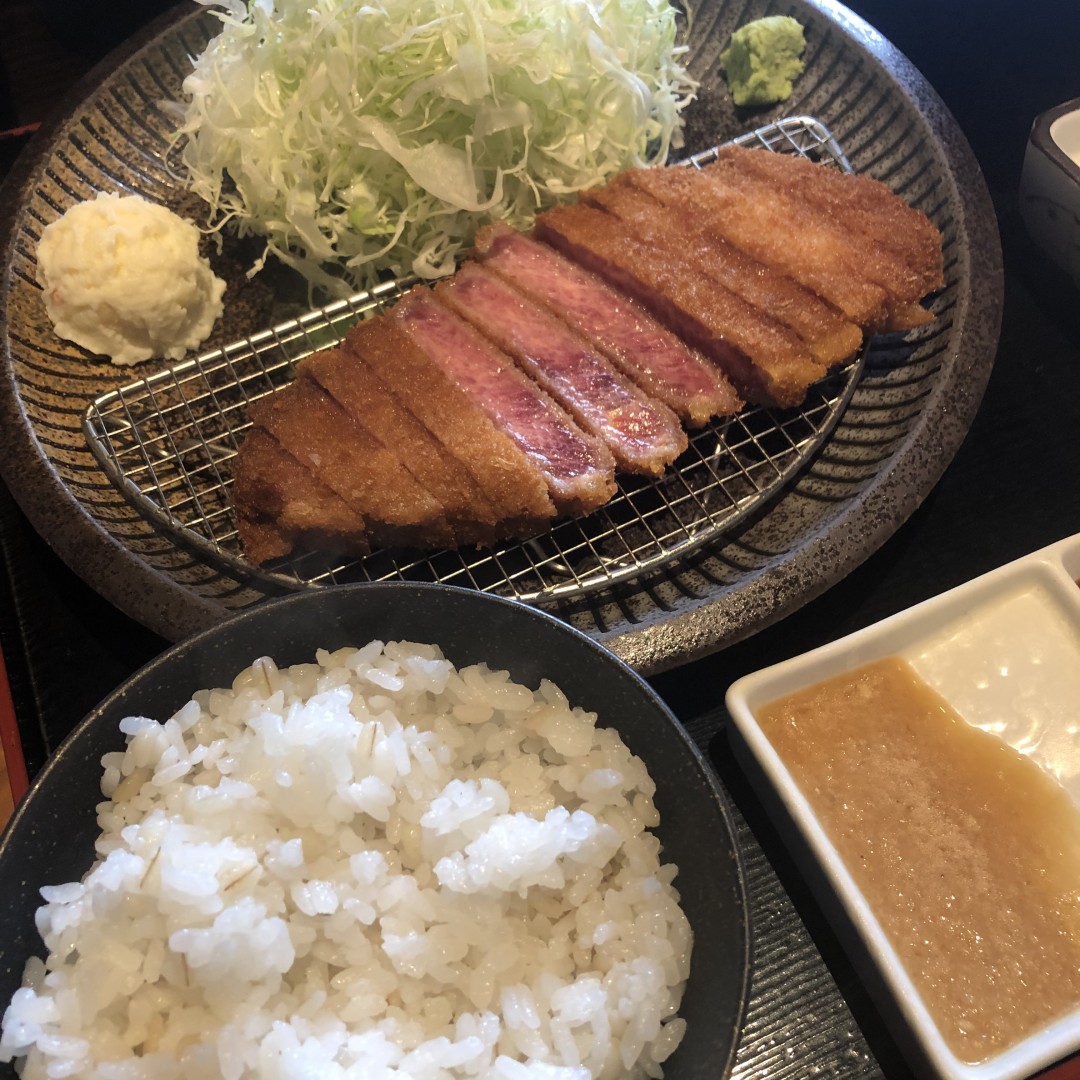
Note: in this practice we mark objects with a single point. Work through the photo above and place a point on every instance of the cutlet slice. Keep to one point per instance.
(830, 337)
(355, 386)
(864, 205)
(658, 361)
(846, 249)
(280, 506)
(510, 481)
(262, 541)
(767, 363)
(349, 460)
(577, 468)
(643, 435)
(758, 227)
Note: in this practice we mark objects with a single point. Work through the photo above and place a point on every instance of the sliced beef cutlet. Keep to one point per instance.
(484, 408)
(356, 387)
(841, 246)
(830, 337)
(579, 469)
(863, 205)
(768, 363)
(661, 364)
(760, 228)
(350, 461)
(280, 506)
(512, 484)
(643, 435)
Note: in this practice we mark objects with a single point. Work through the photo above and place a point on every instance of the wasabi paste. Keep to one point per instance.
(763, 58)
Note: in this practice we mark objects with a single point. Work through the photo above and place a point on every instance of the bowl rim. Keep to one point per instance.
(1042, 139)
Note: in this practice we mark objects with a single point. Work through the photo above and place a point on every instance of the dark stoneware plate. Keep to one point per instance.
(50, 839)
(914, 404)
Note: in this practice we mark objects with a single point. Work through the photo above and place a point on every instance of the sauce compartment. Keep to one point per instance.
(998, 659)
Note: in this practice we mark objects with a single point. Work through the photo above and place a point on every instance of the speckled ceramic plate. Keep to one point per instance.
(915, 401)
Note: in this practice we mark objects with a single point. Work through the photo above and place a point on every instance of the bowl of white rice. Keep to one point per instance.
(375, 831)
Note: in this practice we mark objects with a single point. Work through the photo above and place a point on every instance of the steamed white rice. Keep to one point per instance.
(372, 866)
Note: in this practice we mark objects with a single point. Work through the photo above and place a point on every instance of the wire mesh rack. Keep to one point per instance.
(166, 442)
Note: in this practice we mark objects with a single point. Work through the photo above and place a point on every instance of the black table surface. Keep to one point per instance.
(1013, 487)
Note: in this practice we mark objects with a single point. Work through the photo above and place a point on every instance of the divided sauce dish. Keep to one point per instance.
(1003, 653)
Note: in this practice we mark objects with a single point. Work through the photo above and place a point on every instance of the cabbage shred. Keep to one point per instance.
(368, 139)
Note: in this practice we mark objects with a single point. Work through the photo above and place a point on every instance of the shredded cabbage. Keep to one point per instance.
(364, 138)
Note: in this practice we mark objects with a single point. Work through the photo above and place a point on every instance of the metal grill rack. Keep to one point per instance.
(166, 442)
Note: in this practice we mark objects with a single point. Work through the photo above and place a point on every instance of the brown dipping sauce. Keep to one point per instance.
(967, 852)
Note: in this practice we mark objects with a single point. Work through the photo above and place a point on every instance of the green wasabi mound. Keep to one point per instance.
(763, 58)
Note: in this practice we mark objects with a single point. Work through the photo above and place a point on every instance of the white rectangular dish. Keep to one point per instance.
(1003, 651)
